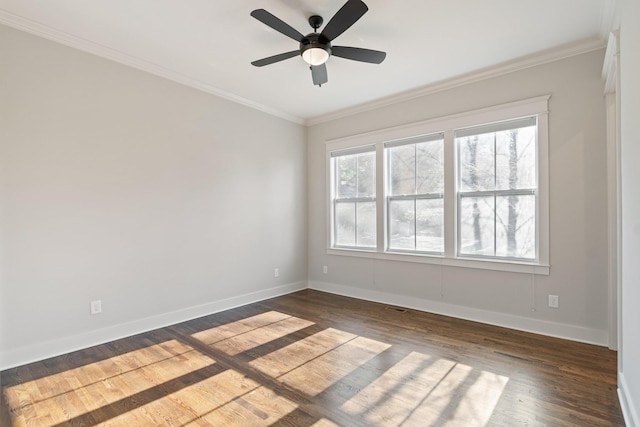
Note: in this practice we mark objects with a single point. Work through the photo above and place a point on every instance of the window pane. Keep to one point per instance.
(516, 226)
(367, 174)
(366, 224)
(402, 225)
(477, 226)
(516, 158)
(476, 162)
(430, 225)
(345, 224)
(402, 165)
(430, 167)
(355, 178)
(346, 176)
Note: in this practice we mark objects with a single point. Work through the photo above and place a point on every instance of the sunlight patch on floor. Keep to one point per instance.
(263, 335)
(69, 394)
(171, 383)
(228, 398)
(317, 375)
(420, 390)
(324, 423)
(236, 337)
(279, 362)
(228, 330)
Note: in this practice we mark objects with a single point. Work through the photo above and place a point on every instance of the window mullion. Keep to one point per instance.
(355, 220)
(335, 228)
(355, 200)
(415, 191)
(355, 204)
(495, 224)
(450, 209)
(495, 199)
(381, 195)
(417, 196)
(336, 186)
(415, 225)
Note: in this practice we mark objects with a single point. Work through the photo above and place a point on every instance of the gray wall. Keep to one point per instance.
(578, 208)
(162, 201)
(629, 379)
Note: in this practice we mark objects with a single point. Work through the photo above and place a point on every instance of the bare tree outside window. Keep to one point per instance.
(415, 201)
(497, 193)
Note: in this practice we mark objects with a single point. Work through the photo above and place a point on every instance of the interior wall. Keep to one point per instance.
(629, 357)
(159, 200)
(578, 222)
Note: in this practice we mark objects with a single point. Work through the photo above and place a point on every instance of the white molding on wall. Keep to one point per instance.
(102, 51)
(610, 63)
(541, 327)
(551, 55)
(629, 411)
(36, 352)
(528, 61)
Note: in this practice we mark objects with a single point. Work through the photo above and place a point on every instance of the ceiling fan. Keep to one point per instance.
(315, 48)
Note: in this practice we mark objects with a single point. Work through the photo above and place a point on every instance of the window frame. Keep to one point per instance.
(447, 125)
(494, 193)
(413, 197)
(337, 200)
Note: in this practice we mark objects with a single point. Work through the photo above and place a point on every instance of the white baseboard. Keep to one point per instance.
(542, 327)
(32, 353)
(629, 411)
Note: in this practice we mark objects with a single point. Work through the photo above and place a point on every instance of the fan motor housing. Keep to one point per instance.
(315, 40)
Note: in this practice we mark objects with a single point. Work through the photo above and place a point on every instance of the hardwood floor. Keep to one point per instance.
(316, 359)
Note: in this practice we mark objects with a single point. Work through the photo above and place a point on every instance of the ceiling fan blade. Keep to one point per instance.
(275, 58)
(319, 74)
(358, 54)
(344, 18)
(277, 24)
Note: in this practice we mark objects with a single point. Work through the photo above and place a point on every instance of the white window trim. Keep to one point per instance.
(390, 144)
(333, 187)
(537, 106)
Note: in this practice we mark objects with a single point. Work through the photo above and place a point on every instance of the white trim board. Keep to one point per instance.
(541, 327)
(629, 411)
(36, 352)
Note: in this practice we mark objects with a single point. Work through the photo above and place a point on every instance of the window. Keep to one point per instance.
(468, 190)
(354, 201)
(415, 194)
(496, 203)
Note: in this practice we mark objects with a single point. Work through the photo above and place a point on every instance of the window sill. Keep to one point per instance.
(485, 264)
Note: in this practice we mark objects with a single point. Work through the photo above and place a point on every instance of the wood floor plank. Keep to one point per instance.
(316, 359)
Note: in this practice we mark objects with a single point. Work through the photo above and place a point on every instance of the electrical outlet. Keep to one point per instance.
(325, 269)
(276, 272)
(96, 307)
(553, 301)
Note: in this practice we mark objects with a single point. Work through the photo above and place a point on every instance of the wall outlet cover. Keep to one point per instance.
(96, 307)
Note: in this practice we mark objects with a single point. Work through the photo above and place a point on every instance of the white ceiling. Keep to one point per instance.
(210, 44)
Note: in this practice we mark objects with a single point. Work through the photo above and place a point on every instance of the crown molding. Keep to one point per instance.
(547, 56)
(44, 31)
(551, 55)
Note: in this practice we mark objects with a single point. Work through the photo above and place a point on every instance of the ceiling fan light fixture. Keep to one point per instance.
(315, 48)
(315, 56)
